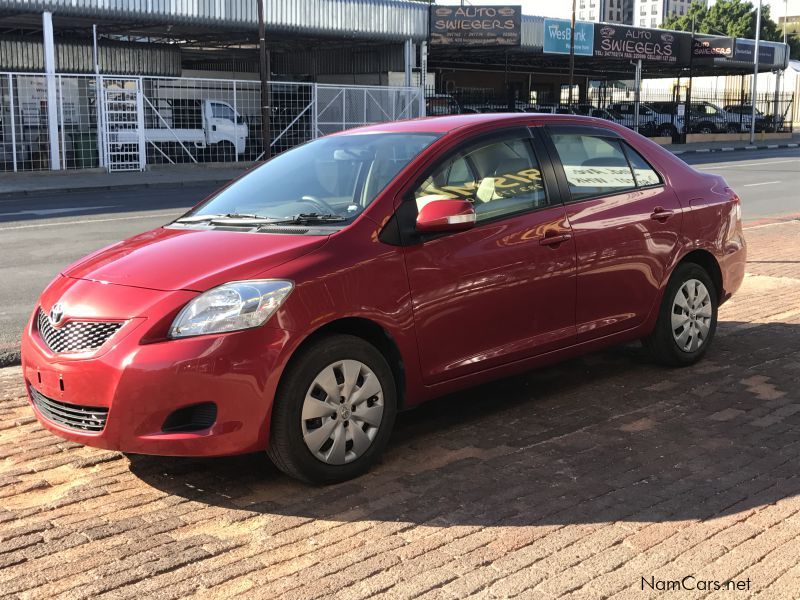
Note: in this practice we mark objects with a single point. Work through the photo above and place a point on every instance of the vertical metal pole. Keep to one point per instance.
(13, 121)
(775, 102)
(755, 76)
(314, 111)
(637, 95)
(407, 55)
(50, 77)
(423, 75)
(61, 121)
(140, 123)
(98, 89)
(263, 64)
(687, 115)
(235, 119)
(571, 55)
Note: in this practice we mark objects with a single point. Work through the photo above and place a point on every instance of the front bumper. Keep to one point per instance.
(141, 383)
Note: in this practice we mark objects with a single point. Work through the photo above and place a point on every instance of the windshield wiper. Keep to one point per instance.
(309, 219)
(229, 219)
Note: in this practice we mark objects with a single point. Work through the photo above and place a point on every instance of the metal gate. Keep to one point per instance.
(340, 107)
(123, 125)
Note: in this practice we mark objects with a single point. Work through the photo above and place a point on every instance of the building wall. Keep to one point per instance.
(604, 11)
(651, 13)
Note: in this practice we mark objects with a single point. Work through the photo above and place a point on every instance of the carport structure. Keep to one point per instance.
(54, 77)
(542, 67)
(351, 45)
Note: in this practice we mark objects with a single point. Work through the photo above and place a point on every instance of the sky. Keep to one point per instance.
(563, 8)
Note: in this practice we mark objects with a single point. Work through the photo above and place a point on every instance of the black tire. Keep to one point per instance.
(661, 343)
(706, 128)
(733, 128)
(666, 131)
(222, 152)
(287, 449)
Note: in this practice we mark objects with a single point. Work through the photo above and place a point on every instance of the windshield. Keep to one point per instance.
(337, 175)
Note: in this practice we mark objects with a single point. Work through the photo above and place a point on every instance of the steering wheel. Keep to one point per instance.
(320, 204)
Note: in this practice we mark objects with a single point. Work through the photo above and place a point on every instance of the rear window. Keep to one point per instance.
(597, 166)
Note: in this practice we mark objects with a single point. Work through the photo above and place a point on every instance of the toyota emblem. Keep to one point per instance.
(56, 313)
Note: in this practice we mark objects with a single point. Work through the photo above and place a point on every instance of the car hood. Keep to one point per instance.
(189, 259)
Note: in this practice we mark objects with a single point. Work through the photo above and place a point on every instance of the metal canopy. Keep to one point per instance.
(377, 20)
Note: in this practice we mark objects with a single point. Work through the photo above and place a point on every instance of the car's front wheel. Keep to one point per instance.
(687, 319)
(334, 410)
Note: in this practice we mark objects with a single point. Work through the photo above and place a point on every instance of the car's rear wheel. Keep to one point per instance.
(334, 411)
(687, 320)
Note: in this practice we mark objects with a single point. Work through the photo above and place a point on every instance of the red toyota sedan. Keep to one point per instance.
(299, 308)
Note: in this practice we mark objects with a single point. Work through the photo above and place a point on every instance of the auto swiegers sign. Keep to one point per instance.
(475, 25)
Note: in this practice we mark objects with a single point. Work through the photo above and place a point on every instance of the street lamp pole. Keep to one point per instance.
(571, 53)
(755, 77)
(264, 69)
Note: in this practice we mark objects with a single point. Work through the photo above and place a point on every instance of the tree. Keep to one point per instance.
(733, 18)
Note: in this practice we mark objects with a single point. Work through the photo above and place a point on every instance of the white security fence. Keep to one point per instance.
(126, 123)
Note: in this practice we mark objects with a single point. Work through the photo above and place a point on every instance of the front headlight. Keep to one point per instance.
(231, 307)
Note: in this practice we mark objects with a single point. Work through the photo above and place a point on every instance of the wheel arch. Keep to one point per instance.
(372, 333)
(710, 264)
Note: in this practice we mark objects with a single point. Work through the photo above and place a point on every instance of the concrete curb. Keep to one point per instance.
(109, 187)
(735, 148)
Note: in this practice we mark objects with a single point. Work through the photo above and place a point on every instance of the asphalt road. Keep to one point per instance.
(767, 181)
(39, 235)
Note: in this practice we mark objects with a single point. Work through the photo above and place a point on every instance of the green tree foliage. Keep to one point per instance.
(733, 18)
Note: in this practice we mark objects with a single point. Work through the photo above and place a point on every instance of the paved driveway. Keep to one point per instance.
(593, 479)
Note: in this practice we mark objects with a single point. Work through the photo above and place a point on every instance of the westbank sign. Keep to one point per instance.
(557, 37)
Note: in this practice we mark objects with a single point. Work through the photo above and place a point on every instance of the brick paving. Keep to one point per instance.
(574, 482)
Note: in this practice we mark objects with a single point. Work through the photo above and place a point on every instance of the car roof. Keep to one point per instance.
(451, 123)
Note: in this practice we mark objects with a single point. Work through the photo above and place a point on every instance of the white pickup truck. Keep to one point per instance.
(208, 125)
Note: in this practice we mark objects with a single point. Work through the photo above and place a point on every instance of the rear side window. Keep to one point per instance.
(642, 171)
(594, 166)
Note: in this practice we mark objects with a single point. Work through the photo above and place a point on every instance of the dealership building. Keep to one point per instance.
(122, 84)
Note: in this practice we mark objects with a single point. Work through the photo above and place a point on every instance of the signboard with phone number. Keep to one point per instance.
(475, 25)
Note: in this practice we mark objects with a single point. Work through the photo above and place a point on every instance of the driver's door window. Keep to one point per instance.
(498, 178)
(222, 111)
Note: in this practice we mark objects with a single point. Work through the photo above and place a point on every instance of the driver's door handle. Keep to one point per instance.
(554, 240)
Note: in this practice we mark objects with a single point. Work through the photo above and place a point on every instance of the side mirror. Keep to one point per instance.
(439, 213)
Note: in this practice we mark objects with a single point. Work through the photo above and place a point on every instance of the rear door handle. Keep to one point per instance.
(554, 240)
(661, 214)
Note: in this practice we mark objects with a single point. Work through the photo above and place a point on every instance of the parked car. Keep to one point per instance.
(299, 308)
(705, 117)
(763, 122)
(495, 107)
(437, 105)
(652, 122)
(553, 109)
(212, 127)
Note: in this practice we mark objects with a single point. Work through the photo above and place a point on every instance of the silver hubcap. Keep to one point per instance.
(342, 412)
(691, 315)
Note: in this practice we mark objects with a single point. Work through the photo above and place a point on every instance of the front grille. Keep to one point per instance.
(75, 336)
(72, 416)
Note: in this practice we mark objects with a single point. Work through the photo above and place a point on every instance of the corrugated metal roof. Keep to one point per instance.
(75, 56)
(532, 32)
(390, 20)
